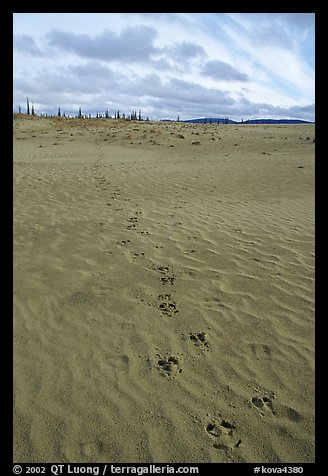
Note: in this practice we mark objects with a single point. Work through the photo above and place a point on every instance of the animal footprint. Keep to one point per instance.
(263, 404)
(198, 339)
(168, 307)
(123, 242)
(133, 223)
(261, 351)
(169, 366)
(224, 433)
(140, 255)
(168, 278)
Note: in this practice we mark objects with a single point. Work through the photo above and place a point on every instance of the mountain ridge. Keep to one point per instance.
(222, 120)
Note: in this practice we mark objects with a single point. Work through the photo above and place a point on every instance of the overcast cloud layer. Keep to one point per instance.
(168, 65)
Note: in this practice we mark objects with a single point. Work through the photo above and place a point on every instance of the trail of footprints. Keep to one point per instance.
(223, 433)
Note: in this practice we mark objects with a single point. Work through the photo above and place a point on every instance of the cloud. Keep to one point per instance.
(245, 108)
(93, 71)
(284, 23)
(193, 93)
(288, 31)
(26, 44)
(221, 71)
(75, 83)
(292, 21)
(185, 51)
(305, 112)
(274, 55)
(135, 44)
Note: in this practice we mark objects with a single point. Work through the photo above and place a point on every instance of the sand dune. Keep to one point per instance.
(163, 292)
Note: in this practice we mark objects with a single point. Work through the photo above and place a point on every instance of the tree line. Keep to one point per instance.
(117, 114)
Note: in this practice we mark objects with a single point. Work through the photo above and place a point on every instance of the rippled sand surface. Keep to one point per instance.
(163, 292)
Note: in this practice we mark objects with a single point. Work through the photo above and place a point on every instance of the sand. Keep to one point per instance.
(163, 292)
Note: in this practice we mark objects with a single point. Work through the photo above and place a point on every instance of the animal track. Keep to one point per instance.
(133, 223)
(224, 432)
(140, 255)
(123, 242)
(116, 194)
(169, 366)
(261, 351)
(198, 338)
(263, 404)
(168, 307)
(168, 278)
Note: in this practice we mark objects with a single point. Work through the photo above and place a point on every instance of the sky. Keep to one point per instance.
(168, 65)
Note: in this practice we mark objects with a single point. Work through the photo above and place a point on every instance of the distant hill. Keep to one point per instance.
(211, 120)
(276, 121)
(222, 120)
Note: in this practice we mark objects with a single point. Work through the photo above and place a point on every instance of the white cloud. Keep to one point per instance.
(277, 58)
